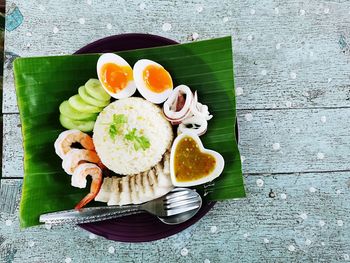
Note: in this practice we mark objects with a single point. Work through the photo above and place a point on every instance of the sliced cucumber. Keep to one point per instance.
(80, 105)
(91, 100)
(95, 89)
(70, 112)
(70, 124)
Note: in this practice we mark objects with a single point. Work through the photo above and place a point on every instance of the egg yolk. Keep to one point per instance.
(114, 77)
(157, 78)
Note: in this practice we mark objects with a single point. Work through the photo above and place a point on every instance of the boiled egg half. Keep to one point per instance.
(152, 80)
(116, 76)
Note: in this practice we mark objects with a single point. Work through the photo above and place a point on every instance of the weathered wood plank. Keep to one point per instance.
(271, 141)
(286, 218)
(301, 46)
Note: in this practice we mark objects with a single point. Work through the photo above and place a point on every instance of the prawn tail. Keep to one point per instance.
(87, 199)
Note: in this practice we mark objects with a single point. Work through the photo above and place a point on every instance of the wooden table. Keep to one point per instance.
(292, 65)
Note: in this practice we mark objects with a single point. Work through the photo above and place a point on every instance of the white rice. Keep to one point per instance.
(119, 155)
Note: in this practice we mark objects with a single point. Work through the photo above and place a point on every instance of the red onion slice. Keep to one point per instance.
(178, 102)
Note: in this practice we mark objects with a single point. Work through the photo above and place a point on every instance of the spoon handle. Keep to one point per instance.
(89, 214)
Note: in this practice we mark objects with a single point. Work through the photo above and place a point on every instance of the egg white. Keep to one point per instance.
(130, 87)
(142, 87)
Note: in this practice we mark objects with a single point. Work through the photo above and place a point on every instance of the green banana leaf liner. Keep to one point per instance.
(42, 83)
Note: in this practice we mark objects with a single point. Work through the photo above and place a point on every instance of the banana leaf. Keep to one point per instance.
(42, 83)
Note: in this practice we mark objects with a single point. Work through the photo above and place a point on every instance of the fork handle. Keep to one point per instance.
(89, 214)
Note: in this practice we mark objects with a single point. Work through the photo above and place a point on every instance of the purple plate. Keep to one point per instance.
(141, 227)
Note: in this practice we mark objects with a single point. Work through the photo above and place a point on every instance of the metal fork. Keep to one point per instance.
(179, 200)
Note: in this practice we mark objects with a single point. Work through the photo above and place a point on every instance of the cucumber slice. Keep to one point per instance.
(80, 105)
(70, 124)
(91, 100)
(70, 112)
(95, 89)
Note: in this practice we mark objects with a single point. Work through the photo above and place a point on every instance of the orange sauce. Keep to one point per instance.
(115, 77)
(190, 163)
(157, 78)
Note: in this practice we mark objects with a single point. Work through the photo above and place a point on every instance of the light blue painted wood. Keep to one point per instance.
(292, 78)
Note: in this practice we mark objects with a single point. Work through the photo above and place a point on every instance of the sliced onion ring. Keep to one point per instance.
(171, 106)
(198, 125)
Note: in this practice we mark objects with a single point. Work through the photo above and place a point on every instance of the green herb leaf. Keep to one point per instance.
(139, 141)
(116, 126)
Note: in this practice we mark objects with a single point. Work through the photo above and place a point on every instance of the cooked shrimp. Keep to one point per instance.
(63, 143)
(77, 156)
(79, 180)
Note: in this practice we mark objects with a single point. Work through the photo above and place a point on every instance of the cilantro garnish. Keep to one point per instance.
(115, 127)
(139, 141)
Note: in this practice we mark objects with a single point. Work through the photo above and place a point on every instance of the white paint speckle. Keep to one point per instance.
(199, 9)
(302, 12)
(340, 222)
(326, 10)
(109, 26)
(89, 2)
(311, 53)
(242, 158)
(264, 72)
(28, 45)
(55, 30)
(291, 248)
(303, 216)
(250, 37)
(213, 229)
(82, 21)
(166, 27)
(277, 11)
(278, 45)
(276, 146)
(8, 222)
(308, 242)
(195, 36)
(248, 117)
(329, 80)
(28, 34)
(252, 11)
(111, 250)
(67, 260)
(239, 91)
(274, 106)
(288, 104)
(266, 241)
(142, 6)
(322, 244)
(246, 235)
(41, 7)
(323, 119)
(297, 130)
(346, 256)
(338, 192)
(293, 75)
(184, 252)
(260, 182)
(321, 223)
(48, 226)
(225, 19)
(283, 196)
(31, 243)
(206, 260)
(320, 155)
(92, 236)
(312, 189)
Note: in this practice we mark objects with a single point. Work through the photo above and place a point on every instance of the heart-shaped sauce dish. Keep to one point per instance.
(191, 164)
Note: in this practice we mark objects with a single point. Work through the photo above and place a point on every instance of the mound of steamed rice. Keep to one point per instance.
(119, 154)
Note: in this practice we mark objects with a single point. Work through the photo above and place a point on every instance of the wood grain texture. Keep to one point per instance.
(312, 44)
(306, 213)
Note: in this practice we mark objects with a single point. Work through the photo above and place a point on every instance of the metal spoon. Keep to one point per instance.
(180, 218)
